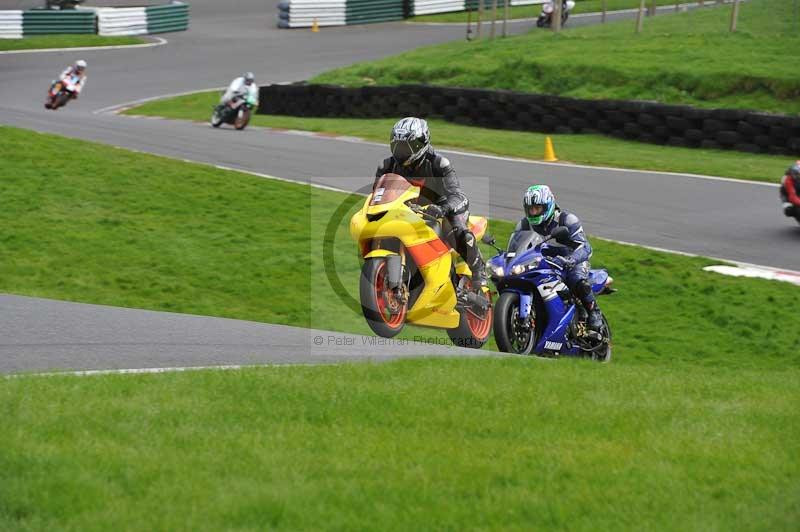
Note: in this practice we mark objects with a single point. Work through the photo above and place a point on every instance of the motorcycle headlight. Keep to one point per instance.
(496, 271)
(519, 269)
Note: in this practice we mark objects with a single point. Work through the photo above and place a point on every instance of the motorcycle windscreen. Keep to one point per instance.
(388, 188)
(522, 241)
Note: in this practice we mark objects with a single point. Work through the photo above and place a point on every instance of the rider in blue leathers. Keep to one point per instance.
(543, 215)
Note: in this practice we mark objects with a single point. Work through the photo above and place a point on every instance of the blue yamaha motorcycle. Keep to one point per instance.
(536, 312)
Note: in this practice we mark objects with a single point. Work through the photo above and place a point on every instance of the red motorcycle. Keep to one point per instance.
(61, 92)
(790, 192)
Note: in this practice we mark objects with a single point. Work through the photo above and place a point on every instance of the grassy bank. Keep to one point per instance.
(65, 41)
(585, 149)
(488, 444)
(85, 222)
(517, 12)
(680, 58)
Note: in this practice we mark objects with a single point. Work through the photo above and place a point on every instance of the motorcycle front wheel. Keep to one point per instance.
(385, 314)
(242, 119)
(216, 117)
(60, 100)
(511, 335)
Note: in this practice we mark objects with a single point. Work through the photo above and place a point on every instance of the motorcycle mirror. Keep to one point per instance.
(489, 240)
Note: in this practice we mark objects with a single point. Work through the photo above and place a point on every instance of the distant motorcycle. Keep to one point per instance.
(536, 312)
(545, 19)
(61, 92)
(236, 112)
(790, 196)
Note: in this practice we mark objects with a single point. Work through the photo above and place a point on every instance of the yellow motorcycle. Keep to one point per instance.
(411, 273)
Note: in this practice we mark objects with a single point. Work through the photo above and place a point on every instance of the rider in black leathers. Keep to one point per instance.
(415, 159)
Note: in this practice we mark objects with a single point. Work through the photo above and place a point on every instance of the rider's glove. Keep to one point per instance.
(434, 211)
(565, 263)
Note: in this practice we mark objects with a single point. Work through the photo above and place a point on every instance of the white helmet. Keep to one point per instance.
(80, 64)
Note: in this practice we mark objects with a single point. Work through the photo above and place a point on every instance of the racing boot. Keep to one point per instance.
(479, 279)
(595, 320)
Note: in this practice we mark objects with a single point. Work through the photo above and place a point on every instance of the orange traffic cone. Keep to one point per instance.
(315, 26)
(549, 152)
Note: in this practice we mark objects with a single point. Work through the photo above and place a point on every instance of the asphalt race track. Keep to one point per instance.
(38, 334)
(727, 219)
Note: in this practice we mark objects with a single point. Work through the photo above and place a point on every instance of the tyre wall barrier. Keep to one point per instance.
(11, 24)
(303, 13)
(674, 125)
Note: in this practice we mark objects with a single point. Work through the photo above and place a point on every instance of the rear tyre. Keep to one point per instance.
(511, 336)
(385, 315)
(474, 326)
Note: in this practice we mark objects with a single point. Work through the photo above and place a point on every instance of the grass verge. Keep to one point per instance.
(686, 58)
(585, 149)
(85, 222)
(517, 12)
(474, 444)
(66, 41)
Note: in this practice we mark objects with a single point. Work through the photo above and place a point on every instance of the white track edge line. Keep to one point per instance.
(159, 41)
(127, 105)
(169, 369)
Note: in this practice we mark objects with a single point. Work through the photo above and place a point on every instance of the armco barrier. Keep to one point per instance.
(10, 24)
(675, 125)
(303, 13)
(48, 22)
(168, 18)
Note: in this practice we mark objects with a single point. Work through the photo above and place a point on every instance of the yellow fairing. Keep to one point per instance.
(376, 226)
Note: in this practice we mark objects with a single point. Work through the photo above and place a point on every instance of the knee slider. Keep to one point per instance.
(469, 238)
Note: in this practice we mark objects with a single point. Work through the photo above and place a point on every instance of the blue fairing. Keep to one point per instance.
(539, 285)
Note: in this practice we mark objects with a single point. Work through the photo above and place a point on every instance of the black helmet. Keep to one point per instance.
(410, 140)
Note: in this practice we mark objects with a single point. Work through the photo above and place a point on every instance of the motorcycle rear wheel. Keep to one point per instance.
(508, 334)
(472, 331)
(378, 304)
